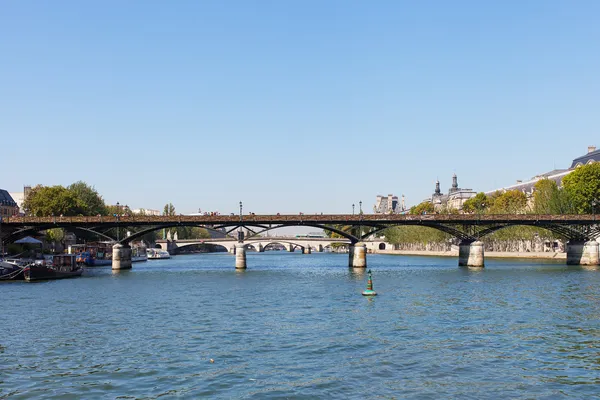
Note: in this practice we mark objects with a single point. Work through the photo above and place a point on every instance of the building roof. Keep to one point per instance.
(591, 156)
(527, 186)
(6, 199)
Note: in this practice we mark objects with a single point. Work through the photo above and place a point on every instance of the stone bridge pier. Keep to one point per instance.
(240, 256)
(121, 256)
(470, 254)
(581, 252)
(357, 255)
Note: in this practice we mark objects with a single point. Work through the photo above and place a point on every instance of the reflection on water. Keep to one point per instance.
(297, 326)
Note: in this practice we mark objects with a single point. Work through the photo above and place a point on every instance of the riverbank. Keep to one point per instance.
(488, 254)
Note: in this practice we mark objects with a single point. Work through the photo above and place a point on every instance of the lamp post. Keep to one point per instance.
(117, 217)
(360, 213)
(240, 230)
(352, 208)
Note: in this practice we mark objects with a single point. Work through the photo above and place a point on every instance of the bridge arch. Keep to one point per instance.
(352, 238)
(178, 248)
(139, 234)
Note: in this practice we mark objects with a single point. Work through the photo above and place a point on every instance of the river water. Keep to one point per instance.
(296, 326)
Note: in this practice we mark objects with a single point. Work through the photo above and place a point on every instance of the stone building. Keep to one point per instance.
(389, 205)
(453, 200)
(8, 207)
(555, 175)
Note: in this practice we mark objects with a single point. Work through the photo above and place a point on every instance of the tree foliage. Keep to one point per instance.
(583, 188)
(45, 201)
(509, 202)
(476, 204)
(550, 199)
(169, 209)
(425, 207)
(89, 198)
(415, 234)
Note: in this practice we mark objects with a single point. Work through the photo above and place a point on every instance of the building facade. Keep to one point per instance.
(389, 205)
(8, 207)
(453, 200)
(556, 175)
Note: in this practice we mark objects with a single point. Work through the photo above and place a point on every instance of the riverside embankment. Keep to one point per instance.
(490, 254)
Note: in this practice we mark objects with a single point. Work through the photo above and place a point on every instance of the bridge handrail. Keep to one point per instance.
(321, 218)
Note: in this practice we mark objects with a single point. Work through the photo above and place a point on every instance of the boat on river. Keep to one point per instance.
(63, 266)
(139, 253)
(158, 254)
(10, 271)
(92, 254)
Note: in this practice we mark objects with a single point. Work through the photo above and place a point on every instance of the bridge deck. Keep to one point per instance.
(341, 219)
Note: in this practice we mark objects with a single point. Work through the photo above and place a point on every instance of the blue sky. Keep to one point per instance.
(293, 106)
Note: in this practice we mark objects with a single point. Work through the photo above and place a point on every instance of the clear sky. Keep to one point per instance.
(293, 106)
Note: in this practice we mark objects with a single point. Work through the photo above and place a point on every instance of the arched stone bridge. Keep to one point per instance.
(291, 243)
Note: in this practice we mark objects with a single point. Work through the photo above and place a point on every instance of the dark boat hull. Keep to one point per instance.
(10, 272)
(37, 273)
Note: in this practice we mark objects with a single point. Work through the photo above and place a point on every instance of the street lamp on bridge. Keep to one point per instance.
(352, 208)
(117, 218)
(360, 206)
(241, 210)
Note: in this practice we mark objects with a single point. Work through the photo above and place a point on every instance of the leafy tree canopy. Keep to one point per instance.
(169, 209)
(550, 199)
(415, 234)
(425, 207)
(583, 188)
(89, 198)
(509, 202)
(476, 204)
(45, 201)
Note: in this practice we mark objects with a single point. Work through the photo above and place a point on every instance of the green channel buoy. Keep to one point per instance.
(369, 291)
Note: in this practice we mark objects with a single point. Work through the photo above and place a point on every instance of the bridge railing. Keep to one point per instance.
(277, 219)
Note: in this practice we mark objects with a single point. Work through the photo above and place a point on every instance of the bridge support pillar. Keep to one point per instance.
(470, 254)
(582, 253)
(121, 256)
(289, 247)
(240, 256)
(320, 248)
(231, 250)
(306, 250)
(357, 255)
(260, 248)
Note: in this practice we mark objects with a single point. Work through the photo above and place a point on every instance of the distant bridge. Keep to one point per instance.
(291, 243)
(580, 230)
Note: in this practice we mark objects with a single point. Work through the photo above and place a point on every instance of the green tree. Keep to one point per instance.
(45, 201)
(509, 202)
(89, 198)
(425, 207)
(550, 199)
(583, 188)
(169, 209)
(476, 204)
(55, 235)
(415, 234)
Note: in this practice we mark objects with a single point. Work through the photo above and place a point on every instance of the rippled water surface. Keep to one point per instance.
(296, 326)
